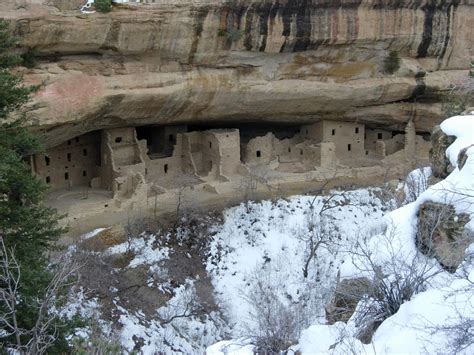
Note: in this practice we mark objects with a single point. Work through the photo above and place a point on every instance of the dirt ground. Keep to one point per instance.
(229, 194)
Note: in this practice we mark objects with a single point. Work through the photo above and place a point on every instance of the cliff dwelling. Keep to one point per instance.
(120, 167)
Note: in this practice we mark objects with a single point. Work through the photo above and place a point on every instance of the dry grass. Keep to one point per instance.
(104, 240)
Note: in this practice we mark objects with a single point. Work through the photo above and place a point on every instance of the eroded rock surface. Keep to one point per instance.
(441, 233)
(290, 61)
(440, 164)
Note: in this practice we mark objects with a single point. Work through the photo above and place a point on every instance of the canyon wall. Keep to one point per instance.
(214, 61)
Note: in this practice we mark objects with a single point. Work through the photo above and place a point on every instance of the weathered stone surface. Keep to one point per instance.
(213, 61)
(346, 297)
(440, 164)
(462, 157)
(441, 233)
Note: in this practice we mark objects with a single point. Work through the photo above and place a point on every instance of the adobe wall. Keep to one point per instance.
(422, 147)
(374, 135)
(122, 159)
(394, 144)
(107, 170)
(164, 167)
(169, 137)
(259, 150)
(228, 151)
(74, 163)
(328, 158)
(348, 137)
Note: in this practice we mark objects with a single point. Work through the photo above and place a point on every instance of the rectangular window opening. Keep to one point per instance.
(48, 179)
(118, 139)
(379, 135)
(357, 130)
(66, 176)
(333, 132)
(258, 153)
(171, 138)
(210, 144)
(68, 156)
(69, 142)
(289, 150)
(165, 168)
(77, 139)
(301, 151)
(47, 161)
(349, 147)
(84, 152)
(84, 173)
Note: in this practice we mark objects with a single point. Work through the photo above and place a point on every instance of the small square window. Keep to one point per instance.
(259, 154)
(379, 135)
(118, 139)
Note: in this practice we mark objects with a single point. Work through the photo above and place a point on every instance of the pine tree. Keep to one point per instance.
(26, 226)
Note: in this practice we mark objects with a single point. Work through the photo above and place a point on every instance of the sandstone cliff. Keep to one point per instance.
(289, 61)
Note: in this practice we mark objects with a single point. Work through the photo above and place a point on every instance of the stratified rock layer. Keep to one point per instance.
(212, 61)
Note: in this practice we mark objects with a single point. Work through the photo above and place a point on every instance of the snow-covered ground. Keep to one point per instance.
(270, 239)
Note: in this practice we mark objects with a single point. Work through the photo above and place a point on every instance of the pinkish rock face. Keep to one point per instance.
(71, 93)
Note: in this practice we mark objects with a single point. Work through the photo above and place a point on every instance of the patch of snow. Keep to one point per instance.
(167, 335)
(463, 128)
(271, 235)
(92, 233)
(234, 347)
(143, 248)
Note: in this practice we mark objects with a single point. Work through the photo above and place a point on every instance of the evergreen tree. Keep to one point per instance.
(26, 226)
(392, 62)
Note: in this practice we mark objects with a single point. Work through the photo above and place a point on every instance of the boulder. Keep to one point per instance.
(440, 165)
(441, 233)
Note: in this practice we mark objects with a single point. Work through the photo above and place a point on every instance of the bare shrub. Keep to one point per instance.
(277, 323)
(134, 227)
(186, 305)
(415, 184)
(43, 333)
(320, 231)
(96, 342)
(391, 282)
